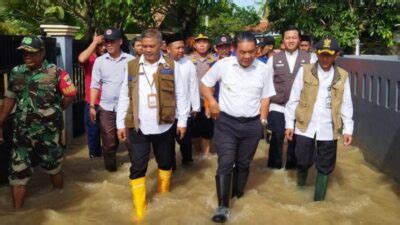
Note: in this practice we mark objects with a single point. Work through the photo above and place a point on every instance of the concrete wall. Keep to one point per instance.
(375, 85)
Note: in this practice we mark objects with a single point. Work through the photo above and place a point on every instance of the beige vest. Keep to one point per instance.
(309, 93)
(164, 80)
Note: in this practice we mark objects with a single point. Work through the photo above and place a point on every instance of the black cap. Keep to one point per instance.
(169, 38)
(223, 40)
(268, 40)
(31, 44)
(112, 34)
(327, 45)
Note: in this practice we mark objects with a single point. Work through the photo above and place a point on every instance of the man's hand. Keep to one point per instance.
(289, 134)
(98, 39)
(214, 110)
(180, 131)
(347, 139)
(92, 115)
(121, 133)
(207, 112)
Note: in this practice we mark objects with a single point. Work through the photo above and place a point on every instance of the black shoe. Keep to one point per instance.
(223, 184)
(221, 215)
(110, 161)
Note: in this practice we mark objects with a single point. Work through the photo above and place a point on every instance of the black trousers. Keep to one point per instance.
(276, 123)
(139, 152)
(323, 153)
(185, 143)
(235, 142)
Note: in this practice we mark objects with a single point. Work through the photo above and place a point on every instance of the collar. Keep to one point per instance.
(322, 70)
(160, 61)
(292, 54)
(122, 56)
(45, 65)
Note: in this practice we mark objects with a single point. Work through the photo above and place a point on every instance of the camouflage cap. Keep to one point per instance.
(31, 44)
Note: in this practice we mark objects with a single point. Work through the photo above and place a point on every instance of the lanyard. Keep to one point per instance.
(151, 84)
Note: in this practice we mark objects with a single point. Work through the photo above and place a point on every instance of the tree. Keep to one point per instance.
(370, 21)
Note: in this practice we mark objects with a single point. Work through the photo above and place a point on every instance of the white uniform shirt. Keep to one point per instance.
(148, 116)
(187, 70)
(291, 59)
(320, 124)
(241, 89)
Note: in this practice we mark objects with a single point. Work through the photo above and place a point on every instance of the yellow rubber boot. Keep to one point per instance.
(138, 187)
(164, 178)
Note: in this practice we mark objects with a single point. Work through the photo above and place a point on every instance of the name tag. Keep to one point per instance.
(279, 65)
(152, 100)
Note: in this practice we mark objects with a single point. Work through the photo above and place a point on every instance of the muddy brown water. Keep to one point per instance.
(357, 194)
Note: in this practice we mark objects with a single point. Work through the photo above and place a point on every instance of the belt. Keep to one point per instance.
(241, 119)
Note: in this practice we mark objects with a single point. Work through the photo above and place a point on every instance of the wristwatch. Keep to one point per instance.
(92, 107)
(264, 122)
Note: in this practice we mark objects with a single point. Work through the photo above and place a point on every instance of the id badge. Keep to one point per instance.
(329, 102)
(152, 100)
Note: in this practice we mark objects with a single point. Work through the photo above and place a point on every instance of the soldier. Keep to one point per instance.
(320, 102)
(87, 59)
(108, 74)
(152, 94)
(40, 91)
(202, 130)
(283, 66)
(240, 116)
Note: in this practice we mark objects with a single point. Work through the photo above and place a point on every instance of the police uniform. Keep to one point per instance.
(319, 108)
(202, 126)
(38, 120)
(238, 128)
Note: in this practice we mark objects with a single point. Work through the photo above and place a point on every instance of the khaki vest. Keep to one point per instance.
(164, 81)
(309, 93)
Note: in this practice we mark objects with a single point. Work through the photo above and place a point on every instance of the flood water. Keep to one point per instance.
(357, 194)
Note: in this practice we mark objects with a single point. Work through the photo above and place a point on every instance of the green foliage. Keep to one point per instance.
(370, 21)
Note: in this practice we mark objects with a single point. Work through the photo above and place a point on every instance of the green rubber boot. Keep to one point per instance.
(302, 177)
(320, 187)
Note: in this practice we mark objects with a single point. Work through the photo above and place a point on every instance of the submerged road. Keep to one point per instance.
(357, 194)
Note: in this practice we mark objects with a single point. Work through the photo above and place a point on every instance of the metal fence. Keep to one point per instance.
(375, 85)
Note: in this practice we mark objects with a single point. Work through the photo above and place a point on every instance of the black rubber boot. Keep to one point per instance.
(110, 161)
(320, 187)
(239, 182)
(223, 183)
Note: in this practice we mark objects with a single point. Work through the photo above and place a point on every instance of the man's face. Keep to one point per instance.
(33, 60)
(137, 46)
(113, 46)
(223, 50)
(151, 49)
(100, 49)
(305, 46)
(201, 46)
(246, 52)
(176, 50)
(291, 40)
(326, 60)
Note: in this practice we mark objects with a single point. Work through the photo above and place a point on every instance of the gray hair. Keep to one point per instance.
(152, 33)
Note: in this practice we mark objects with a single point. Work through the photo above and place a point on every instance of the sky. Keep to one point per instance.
(245, 3)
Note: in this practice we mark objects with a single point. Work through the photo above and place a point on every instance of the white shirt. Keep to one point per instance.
(241, 89)
(187, 70)
(291, 59)
(320, 124)
(148, 116)
(108, 74)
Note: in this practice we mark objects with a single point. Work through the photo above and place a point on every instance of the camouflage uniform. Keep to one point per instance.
(38, 119)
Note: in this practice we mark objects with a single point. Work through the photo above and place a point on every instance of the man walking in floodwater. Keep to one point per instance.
(319, 107)
(240, 116)
(40, 91)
